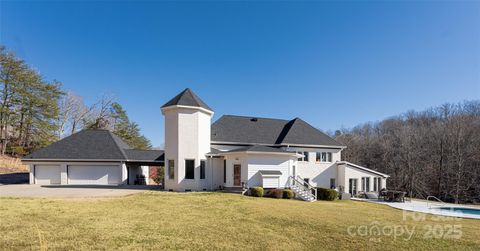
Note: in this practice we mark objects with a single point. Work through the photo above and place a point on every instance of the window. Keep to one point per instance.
(224, 171)
(171, 169)
(379, 184)
(189, 169)
(375, 186)
(305, 158)
(367, 184)
(202, 169)
(352, 186)
(332, 183)
(323, 157)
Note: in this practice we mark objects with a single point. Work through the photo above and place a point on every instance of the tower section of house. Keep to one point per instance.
(187, 141)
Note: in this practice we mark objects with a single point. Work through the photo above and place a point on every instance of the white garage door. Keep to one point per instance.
(271, 182)
(94, 175)
(47, 174)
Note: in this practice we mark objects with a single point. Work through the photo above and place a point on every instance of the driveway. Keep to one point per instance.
(38, 191)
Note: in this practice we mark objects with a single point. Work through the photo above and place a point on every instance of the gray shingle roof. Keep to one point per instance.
(259, 148)
(187, 98)
(93, 145)
(144, 155)
(270, 172)
(252, 130)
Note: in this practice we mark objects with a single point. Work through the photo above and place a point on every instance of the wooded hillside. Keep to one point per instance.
(433, 152)
(35, 112)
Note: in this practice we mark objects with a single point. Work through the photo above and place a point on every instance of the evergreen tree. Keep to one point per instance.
(126, 129)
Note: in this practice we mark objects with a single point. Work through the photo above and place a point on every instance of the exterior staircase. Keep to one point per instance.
(302, 189)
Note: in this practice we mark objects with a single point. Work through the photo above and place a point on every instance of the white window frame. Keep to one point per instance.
(324, 157)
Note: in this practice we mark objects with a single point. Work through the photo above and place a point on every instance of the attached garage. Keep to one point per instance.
(91, 157)
(47, 174)
(94, 175)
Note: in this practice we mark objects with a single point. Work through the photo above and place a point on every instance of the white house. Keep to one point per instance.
(234, 152)
(239, 151)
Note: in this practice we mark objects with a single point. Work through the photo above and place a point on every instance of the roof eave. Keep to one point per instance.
(167, 108)
(282, 144)
(363, 168)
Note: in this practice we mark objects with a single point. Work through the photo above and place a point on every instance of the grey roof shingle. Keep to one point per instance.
(93, 144)
(270, 172)
(252, 130)
(230, 128)
(188, 98)
(144, 155)
(260, 148)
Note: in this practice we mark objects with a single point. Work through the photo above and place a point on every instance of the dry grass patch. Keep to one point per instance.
(160, 220)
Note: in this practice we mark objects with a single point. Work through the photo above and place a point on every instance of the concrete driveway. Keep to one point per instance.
(38, 191)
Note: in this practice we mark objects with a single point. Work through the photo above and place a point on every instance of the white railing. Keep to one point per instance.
(437, 199)
(299, 183)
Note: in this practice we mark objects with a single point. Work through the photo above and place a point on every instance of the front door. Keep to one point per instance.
(237, 175)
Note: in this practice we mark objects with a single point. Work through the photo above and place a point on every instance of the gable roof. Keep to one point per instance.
(267, 131)
(188, 98)
(93, 144)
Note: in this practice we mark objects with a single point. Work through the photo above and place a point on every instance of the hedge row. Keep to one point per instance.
(271, 193)
(326, 194)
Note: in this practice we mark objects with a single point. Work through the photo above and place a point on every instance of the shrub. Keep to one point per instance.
(326, 194)
(288, 194)
(256, 191)
(274, 193)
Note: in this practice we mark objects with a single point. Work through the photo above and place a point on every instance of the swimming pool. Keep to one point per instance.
(462, 210)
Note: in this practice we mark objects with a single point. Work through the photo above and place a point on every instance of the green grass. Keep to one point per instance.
(160, 220)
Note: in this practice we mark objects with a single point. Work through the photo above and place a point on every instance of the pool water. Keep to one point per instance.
(462, 210)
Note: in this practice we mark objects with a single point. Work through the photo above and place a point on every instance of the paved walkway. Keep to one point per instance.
(38, 191)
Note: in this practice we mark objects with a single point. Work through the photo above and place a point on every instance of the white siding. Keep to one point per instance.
(259, 162)
(187, 136)
(319, 173)
(350, 172)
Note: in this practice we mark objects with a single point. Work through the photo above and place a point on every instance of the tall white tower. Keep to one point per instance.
(187, 141)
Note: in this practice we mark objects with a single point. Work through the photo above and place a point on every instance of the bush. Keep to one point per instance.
(256, 191)
(274, 193)
(288, 194)
(326, 194)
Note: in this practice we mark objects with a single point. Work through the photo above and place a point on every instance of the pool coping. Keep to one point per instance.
(423, 207)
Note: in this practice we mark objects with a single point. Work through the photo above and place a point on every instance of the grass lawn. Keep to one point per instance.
(161, 220)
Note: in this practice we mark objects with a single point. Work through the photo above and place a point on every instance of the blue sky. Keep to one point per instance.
(333, 64)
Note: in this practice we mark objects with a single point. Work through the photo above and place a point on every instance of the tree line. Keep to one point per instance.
(432, 152)
(35, 112)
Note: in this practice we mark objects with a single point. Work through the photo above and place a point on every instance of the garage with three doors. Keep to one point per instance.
(90, 157)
